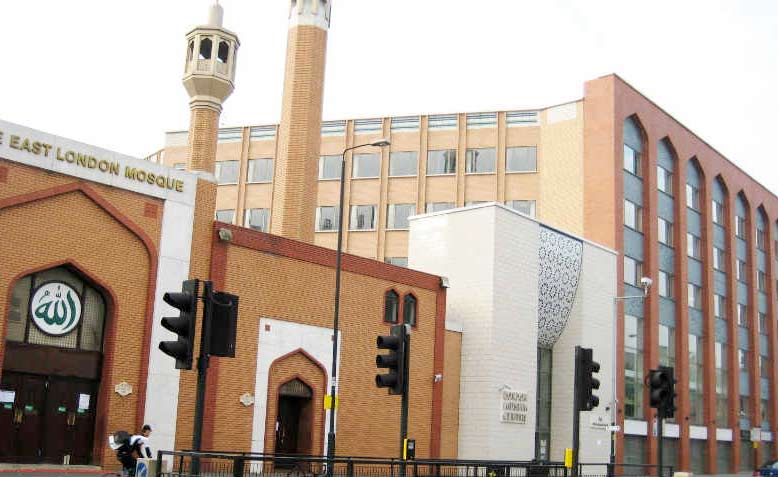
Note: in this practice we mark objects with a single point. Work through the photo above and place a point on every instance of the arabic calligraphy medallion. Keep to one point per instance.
(55, 308)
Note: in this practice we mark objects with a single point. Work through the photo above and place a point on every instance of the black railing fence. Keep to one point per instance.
(239, 464)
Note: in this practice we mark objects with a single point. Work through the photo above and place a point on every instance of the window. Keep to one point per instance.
(745, 413)
(718, 213)
(742, 315)
(665, 232)
(742, 271)
(761, 239)
(695, 296)
(409, 310)
(366, 165)
(764, 366)
(329, 167)
(720, 306)
(179, 166)
(206, 45)
(471, 203)
(666, 345)
(740, 227)
(405, 124)
(722, 376)
(260, 170)
(442, 162)
(333, 128)
(633, 366)
(692, 197)
(403, 163)
(481, 120)
(257, 219)
(363, 217)
(742, 359)
(225, 215)
(761, 280)
(438, 207)
(665, 284)
(230, 135)
(526, 207)
(391, 306)
(632, 161)
(262, 133)
(223, 53)
(368, 126)
(521, 159)
(696, 377)
(327, 218)
(480, 161)
(693, 246)
(719, 259)
(397, 215)
(227, 172)
(762, 321)
(633, 216)
(521, 118)
(399, 261)
(664, 180)
(443, 121)
(633, 271)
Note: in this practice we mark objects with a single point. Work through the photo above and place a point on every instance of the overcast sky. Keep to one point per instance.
(108, 72)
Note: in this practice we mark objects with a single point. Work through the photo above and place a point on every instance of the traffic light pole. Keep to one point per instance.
(660, 437)
(203, 362)
(404, 404)
(576, 410)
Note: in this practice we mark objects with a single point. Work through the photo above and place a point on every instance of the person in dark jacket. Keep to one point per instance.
(136, 445)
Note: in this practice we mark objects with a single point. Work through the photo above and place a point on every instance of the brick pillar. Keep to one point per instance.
(203, 132)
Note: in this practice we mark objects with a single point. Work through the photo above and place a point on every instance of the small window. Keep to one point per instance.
(403, 163)
(480, 161)
(664, 180)
(406, 124)
(179, 166)
(762, 321)
(398, 261)
(665, 232)
(226, 215)
(632, 161)
(740, 227)
(718, 213)
(329, 167)
(521, 159)
(206, 45)
(442, 162)
(742, 359)
(720, 306)
(409, 310)
(190, 51)
(526, 207)
(742, 271)
(438, 207)
(761, 239)
(742, 315)
(260, 170)
(633, 271)
(363, 217)
(397, 215)
(391, 306)
(257, 219)
(224, 52)
(719, 259)
(366, 165)
(665, 280)
(633, 216)
(695, 296)
(692, 197)
(443, 121)
(693, 246)
(327, 218)
(227, 172)
(761, 279)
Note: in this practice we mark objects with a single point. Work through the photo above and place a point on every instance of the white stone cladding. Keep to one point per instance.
(490, 256)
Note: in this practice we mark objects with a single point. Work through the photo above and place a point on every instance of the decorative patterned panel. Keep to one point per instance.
(560, 270)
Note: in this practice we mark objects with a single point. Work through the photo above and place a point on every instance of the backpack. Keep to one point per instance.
(119, 441)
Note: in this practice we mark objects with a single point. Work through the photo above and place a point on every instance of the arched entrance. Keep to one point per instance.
(51, 369)
(295, 418)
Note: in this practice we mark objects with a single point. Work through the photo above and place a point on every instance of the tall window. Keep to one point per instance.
(742, 359)
(720, 306)
(329, 167)
(526, 207)
(403, 163)
(409, 310)
(391, 306)
(696, 373)
(666, 345)
(442, 162)
(742, 271)
(693, 246)
(692, 197)
(761, 239)
(740, 227)
(431, 207)
(742, 315)
(664, 180)
(718, 213)
(366, 165)
(480, 161)
(397, 215)
(719, 259)
(722, 378)
(633, 216)
(761, 279)
(521, 159)
(363, 217)
(631, 161)
(260, 170)
(633, 367)
(665, 232)
(226, 215)
(227, 172)
(327, 218)
(633, 271)
(762, 321)
(257, 219)
(665, 280)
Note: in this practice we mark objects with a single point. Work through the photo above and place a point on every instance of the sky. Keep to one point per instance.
(108, 72)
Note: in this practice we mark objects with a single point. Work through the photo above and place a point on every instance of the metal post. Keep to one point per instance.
(576, 415)
(404, 405)
(202, 374)
(660, 436)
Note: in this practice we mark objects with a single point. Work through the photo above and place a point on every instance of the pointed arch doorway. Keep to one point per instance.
(295, 418)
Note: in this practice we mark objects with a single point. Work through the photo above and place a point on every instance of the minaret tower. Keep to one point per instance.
(209, 78)
(299, 137)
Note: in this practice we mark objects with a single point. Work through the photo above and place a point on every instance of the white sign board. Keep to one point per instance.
(55, 308)
(514, 406)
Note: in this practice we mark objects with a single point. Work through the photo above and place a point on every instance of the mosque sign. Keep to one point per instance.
(514, 406)
(55, 308)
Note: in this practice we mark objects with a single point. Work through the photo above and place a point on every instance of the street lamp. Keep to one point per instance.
(335, 331)
(646, 283)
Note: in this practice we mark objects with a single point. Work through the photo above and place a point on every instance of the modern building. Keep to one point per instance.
(612, 167)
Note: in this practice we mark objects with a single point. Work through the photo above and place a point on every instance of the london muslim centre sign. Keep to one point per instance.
(88, 162)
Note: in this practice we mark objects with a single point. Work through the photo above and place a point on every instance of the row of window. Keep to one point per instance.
(392, 308)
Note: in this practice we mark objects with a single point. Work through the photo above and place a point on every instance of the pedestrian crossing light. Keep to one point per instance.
(586, 368)
(395, 361)
(183, 325)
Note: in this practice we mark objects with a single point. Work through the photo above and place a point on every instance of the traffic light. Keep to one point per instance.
(586, 383)
(183, 325)
(395, 361)
(224, 323)
(661, 393)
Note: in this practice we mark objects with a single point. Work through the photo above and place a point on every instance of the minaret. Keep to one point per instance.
(299, 137)
(209, 77)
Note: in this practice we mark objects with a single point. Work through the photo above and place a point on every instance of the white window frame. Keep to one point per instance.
(516, 170)
(666, 179)
(665, 232)
(666, 285)
(637, 273)
(322, 163)
(336, 218)
(394, 155)
(637, 212)
(252, 162)
(265, 227)
(472, 161)
(218, 172)
(359, 161)
(634, 158)
(391, 215)
(355, 212)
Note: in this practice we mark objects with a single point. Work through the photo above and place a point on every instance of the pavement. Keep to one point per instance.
(26, 470)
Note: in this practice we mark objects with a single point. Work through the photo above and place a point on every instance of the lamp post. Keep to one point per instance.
(335, 330)
(645, 282)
